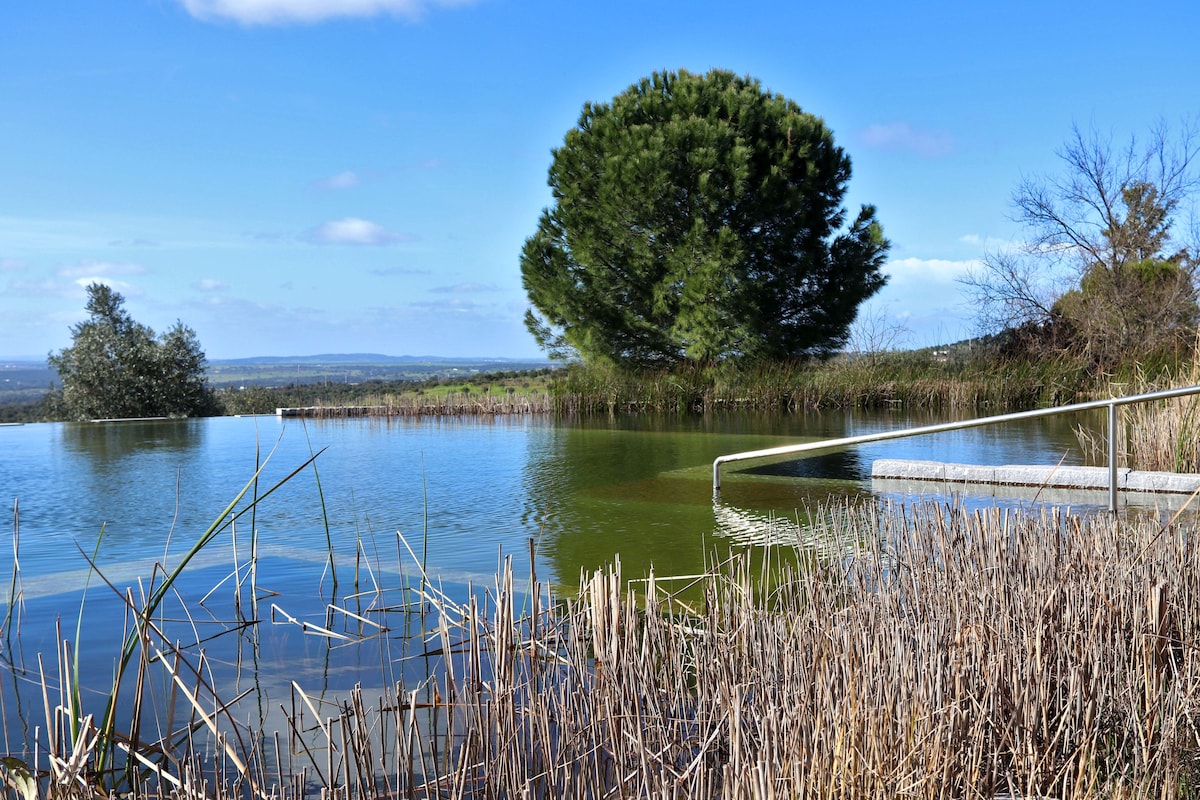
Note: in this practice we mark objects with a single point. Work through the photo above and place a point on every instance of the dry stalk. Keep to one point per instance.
(934, 653)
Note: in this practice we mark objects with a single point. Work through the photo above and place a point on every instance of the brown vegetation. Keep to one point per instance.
(421, 405)
(933, 654)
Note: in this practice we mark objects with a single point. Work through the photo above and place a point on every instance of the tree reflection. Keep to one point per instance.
(111, 441)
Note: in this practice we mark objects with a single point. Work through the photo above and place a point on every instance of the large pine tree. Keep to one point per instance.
(698, 218)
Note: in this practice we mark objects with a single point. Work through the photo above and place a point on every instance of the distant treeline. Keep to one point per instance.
(253, 399)
(264, 400)
(967, 378)
(24, 411)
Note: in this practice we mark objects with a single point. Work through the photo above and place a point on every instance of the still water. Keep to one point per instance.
(461, 490)
(381, 495)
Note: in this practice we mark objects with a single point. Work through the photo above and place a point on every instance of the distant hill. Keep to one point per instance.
(23, 381)
(368, 358)
(27, 380)
(356, 368)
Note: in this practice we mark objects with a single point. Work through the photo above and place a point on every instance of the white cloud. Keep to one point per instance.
(133, 243)
(902, 136)
(11, 265)
(281, 12)
(42, 287)
(387, 272)
(991, 244)
(210, 285)
(353, 230)
(928, 270)
(342, 180)
(467, 288)
(125, 288)
(88, 267)
(924, 295)
(264, 237)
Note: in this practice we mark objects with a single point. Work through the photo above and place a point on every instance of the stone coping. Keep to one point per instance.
(1062, 477)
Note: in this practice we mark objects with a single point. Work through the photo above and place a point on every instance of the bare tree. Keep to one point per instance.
(876, 332)
(1102, 270)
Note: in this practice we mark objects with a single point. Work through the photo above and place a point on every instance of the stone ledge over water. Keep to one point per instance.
(1062, 477)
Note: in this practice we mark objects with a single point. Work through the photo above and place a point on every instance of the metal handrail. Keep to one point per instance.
(1110, 404)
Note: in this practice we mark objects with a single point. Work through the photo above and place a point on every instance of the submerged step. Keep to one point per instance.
(1059, 477)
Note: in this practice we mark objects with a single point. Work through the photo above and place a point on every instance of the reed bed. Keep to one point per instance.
(939, 654)
(901, 379)
(1166, 435)
(453, 404)
(1162, 435)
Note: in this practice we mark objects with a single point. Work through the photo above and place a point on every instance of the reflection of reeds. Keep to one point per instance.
(16, 598)
(939, 653)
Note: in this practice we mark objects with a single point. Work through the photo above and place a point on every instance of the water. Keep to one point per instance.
(461, 492)
(465, 488)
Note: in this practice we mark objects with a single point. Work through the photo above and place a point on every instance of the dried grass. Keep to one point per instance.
(453, 404)
(944, 654)
(1161, 435)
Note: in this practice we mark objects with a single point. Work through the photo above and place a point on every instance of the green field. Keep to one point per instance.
(325, 370)
(26, 381)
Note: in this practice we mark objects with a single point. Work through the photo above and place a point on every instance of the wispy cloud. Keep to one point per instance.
(452, 306)
(93, 269)
(282, 12)
(467, 288)
(387, 272)
(133, 243)
(991, 244)
(264, 237)
(11, 265)
(342, 180)
(928, 270)
(353, 230)
(124, 287)
(210, 285)
(46, 288)
(902, 136)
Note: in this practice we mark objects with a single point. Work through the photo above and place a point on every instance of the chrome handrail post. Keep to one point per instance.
(1112, 456)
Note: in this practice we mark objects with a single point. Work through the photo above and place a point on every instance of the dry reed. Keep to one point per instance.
(942, 654)
(416, 405)
(898, 380)
(1162, 435)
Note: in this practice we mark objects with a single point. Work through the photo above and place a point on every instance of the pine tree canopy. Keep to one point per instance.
(698, 218)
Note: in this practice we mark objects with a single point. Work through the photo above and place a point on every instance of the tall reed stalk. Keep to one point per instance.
(107, 741)
(15, 593)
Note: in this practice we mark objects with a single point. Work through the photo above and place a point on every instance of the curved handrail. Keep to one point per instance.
(1110, 404)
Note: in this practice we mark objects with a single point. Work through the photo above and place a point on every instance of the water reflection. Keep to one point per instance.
(462, 490)
(639, 489)
(845, 465)
(101, 445)
(765, 529)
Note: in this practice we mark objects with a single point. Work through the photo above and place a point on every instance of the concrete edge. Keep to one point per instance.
(1063, 477)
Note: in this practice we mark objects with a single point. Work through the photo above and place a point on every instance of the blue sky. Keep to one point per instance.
(293, 177)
